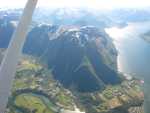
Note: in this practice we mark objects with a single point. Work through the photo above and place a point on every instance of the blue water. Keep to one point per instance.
(134, 53)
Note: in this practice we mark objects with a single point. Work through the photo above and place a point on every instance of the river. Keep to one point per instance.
(133, 53)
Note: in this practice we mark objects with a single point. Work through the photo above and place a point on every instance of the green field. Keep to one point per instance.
(34, 102)
(64, 100)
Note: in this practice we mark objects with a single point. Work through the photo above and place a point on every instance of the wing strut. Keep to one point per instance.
(13, 53)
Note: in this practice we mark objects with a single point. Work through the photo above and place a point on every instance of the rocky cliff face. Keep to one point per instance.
(83, 58)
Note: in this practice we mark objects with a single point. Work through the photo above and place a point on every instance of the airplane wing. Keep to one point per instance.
(9, 63)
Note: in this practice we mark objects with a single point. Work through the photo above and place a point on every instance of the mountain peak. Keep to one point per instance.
(76, 57)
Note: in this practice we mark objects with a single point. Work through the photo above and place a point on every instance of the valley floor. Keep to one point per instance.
(35, 91)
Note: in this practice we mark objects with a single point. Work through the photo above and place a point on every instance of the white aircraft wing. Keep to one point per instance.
(9, 63)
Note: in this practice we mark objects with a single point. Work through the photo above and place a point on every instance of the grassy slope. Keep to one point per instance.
(33, 102)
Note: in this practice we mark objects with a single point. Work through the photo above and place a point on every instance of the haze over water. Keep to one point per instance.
(134, 52)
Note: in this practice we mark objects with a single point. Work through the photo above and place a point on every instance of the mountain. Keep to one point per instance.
(77, 56)
(82, 16)
(6, 30)
(80, 57)
(99, 18)
(71, 16)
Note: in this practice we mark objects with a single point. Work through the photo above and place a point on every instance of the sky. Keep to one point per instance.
(97, 4)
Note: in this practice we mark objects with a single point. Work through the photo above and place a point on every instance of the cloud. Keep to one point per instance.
(97, 4)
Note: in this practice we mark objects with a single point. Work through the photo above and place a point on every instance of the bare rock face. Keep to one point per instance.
(82, 58)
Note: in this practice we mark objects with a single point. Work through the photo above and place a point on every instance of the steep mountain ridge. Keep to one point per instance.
(77, 57)
(82, 58)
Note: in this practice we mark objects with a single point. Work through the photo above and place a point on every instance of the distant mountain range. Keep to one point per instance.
(82, 17)
(69, 49)
(73, 43)
(98, 18)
